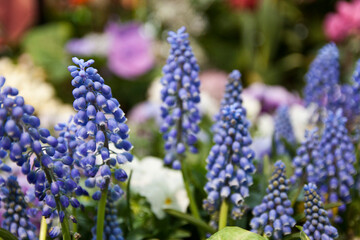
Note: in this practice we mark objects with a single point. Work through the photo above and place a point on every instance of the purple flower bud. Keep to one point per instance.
(96, 195)
(50, 201)
(120, 175)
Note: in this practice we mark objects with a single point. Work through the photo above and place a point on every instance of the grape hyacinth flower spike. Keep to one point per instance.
(33, 148)
(283, 130)
(306, 157)
(232, 95)
(317, 225)
(229, 166)
(180, 96)
(322, 77)
(233, 89)
(336, 162)
(16, 218)
(273, 216)
(101, 125)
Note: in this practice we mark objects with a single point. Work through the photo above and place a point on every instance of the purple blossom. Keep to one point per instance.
(271, 97)
(129, 50)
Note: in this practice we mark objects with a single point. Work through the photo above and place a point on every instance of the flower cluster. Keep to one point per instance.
(33, 149)
(231, 96)
(345, 22)
(283, 129)
(355, 97)
(100, 122)
(273, 215)
(16, 217)
(112, 230)
(322, 77)
(233, 89)
(229, 164)
(336, 161)
(306, 157)
(317, 225)
(180, 96)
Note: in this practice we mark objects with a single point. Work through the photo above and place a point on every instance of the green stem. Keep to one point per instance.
(101, 214)
(74, 225)
(223, 214)
(193, 207)
(43, 229)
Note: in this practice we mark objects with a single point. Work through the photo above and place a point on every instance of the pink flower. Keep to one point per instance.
(213, 82)
(336, 27)
(346, 21)
(130, 51)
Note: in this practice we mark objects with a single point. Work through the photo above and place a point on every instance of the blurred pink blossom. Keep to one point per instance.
(130, 52)
(343, 23)
(213, 82)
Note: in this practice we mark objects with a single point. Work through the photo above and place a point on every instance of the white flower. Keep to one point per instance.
(252, 106)
(299, 116)
(265, 125)
(162, 187)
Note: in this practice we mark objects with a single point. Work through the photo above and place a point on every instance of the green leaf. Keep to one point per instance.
(4, 234)
(190, 219)
(303, 235)
(45, 44)
(235, 233)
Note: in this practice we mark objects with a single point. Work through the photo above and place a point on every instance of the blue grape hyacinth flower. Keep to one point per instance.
(229, 164)
(336, 161)
(180, 95)
(33, 148)
(322, 77)
(16, 218)
(232, 95)
(273, 216)
(112, 230)
(233, 89)
(283, 130)
(101, 127)
(317, 225)
(306, 157)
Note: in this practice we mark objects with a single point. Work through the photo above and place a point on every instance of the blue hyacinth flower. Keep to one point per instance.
(33, 149)
(322, 77)
(15, 218)
(306, 157)
(273, 217)
(100, 125)
(336, 161)
(180, 96)
(317, 225)
(229, 164)
(283, 130)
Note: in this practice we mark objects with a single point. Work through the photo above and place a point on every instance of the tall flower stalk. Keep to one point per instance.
(229, 166)
(317, 225)
(336, 162)
(179, 111)
(102, 130)
(283, 130)
(322, 79)
(33, 148)
(273, 216)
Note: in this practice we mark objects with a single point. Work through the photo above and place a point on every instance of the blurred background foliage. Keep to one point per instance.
(269, 41)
